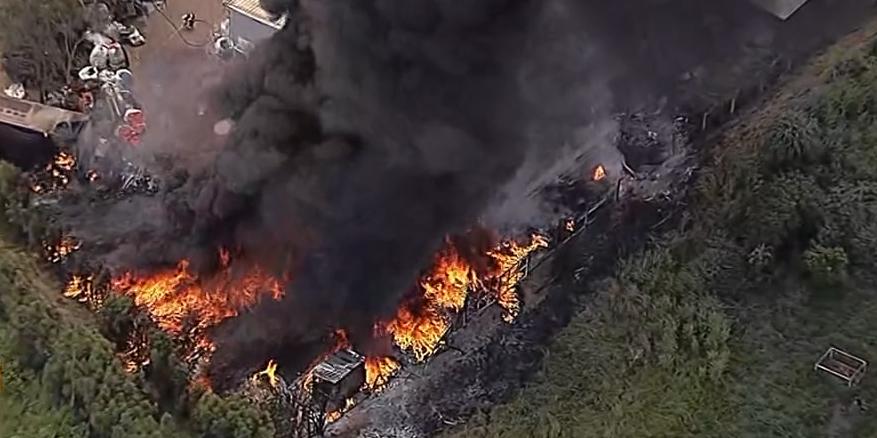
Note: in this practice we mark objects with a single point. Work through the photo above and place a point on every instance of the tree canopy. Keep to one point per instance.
(40, 40)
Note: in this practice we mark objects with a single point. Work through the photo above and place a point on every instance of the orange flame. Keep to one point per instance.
(418, 332)
(505, 278)
(333, 416)
(449, 280)
(174, 296)
(599, 173)
(422, 321)
(270, 372)
(79, 287)
(59, 251)
(65, 161)
(55, 175)
(569, 225)
(379, 370)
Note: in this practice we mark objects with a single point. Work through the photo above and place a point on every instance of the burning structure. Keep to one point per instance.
(338, 378)
(368, 145)
(340, 218)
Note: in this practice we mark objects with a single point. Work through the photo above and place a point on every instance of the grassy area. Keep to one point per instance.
(714, 330)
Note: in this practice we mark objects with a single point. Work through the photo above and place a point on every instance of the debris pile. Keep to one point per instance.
(103, 89)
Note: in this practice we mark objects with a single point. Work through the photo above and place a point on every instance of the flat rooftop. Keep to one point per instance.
(252, 9)
(338, 365)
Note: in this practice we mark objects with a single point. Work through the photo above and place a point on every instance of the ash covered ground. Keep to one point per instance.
(365, 132)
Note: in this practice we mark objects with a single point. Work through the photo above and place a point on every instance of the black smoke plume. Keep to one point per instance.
(365, 131)
(391, 124)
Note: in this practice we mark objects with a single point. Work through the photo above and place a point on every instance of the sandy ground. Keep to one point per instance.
(161, 29)
(174, 73)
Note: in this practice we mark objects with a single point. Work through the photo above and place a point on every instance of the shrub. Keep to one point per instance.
(231, 417)
(784, 211)
(760, 257)
(826, 266)
(794, 141)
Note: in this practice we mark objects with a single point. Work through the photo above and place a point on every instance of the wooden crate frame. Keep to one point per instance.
(843, 365)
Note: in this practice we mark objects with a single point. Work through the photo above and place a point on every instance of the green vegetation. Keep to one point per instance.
(41, 41)
(713, 331)
(62, 378)
(710, 332)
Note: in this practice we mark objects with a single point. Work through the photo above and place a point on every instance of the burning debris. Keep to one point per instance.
(55, 176)
(504, 282)
(333, 220)
(333, 416)
(351, 154)
(599, 173)
(80, 288)
(365, 247)
(270, 372)
(182, 302)
(379, 371)
(58, 252)
(425, 317)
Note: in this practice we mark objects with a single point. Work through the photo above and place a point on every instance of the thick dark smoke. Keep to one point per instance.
(367, 130)
(418, 113)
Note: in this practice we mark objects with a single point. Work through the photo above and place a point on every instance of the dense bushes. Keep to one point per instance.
(713, 332)
(793, 140)
(672, 319)
(645, 356)
(216, 417)
(64, 375)
(810, 181)
(67, 368)
(826, 266)
(60, 373)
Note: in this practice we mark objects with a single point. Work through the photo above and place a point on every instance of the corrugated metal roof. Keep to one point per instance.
(253, 9)
(338, 365)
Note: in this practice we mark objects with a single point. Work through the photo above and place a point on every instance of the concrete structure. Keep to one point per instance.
(781, 8)
(248, 23)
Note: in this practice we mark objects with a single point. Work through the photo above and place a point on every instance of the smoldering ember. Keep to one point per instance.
(379, 218)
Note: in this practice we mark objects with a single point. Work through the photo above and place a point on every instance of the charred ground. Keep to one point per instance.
(284, 197)
(362, 141)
